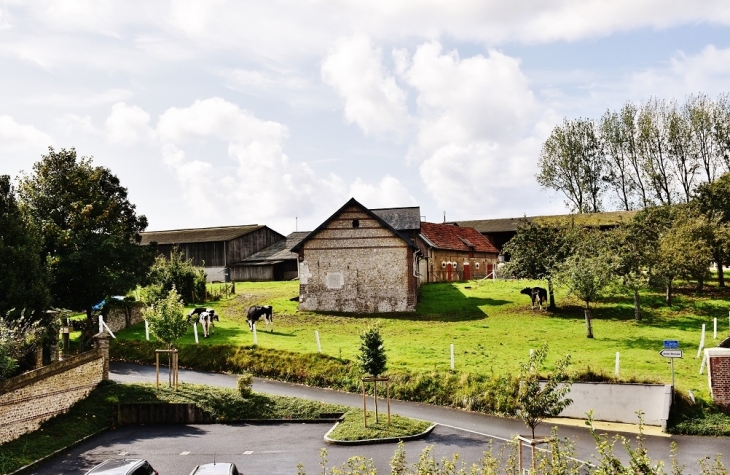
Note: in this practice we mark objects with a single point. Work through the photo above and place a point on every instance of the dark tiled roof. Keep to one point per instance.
(186, 236)
(607, 219)
(279, 251)
(456, 238)
(400, 218)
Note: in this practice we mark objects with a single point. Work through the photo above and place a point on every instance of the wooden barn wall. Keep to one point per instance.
(251, 243)
(203, 254)
(252, 273)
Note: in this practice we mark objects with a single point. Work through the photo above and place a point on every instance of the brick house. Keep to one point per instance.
(456, 253)
(358, 262)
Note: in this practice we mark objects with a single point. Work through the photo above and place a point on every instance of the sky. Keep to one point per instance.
(222, 113)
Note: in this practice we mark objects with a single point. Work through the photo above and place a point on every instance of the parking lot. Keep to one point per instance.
(255, 449)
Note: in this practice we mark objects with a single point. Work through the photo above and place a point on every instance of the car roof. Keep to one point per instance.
(214, 468)
(116, 466)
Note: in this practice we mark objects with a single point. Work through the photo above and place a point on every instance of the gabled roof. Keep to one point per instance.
(455, 238)
(353, 202)
(605, 219)
(401, 219)
(279, 251)
(188, 236)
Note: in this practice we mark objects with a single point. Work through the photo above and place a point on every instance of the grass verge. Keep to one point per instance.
(98, 412)
(352, 427)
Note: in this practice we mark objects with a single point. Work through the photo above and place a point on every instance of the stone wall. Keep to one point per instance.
(357, 265)
(718, 374)
(31, 398)
(122, 315)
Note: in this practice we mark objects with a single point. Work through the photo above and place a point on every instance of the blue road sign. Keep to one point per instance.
(671, 344)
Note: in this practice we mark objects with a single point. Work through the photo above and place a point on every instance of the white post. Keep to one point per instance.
(319, 346)
(195, 330)
(618, 358)
(255, 338)
(452, 357)
(101, 323)
(702, 366)
(147, 330)
(714, 333)
(702, 341)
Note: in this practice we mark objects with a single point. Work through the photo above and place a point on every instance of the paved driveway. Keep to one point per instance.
(255, 449)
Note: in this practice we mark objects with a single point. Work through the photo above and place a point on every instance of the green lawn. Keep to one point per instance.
(492, 328)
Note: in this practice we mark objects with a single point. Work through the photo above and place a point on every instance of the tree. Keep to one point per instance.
(90, 230)
(23, 274)
(535, 401)
(536, 251)
(588, 271)
(618, 134)
(167, 321)
(179, 273)
(653, 148)
(372, 359)
(681, 149)
(713, 200)
(572, 162)
(632, 253)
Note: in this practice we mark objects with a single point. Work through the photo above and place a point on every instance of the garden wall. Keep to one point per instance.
(620, 402)
(123, 315)
(31, 398)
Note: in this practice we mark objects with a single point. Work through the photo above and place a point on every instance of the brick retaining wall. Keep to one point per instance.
(718, 374)
(32, 398)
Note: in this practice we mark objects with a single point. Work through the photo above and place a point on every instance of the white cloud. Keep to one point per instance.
(73, 124)
(373, 100)
(387, 193)
(708, 71)
(128, 124)
(15, 137)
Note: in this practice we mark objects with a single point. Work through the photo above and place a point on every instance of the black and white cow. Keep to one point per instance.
(538, 295)
(255, 313)
(204, 316)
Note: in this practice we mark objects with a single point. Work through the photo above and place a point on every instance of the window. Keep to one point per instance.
(355, 223)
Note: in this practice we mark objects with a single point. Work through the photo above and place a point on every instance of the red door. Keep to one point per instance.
(448, 271)
(467, 274)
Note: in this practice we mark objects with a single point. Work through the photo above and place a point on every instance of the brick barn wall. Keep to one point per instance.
(437, 273)
(719, 367)
(31, 398)
(363, 269)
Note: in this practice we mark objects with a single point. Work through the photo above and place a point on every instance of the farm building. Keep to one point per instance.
(356, 261)
(276, 262)
(456, 253)
(501, 230)
(215, 249)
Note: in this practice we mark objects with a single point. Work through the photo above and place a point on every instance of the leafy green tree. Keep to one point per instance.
(588, 272)
(23, 274)
(17, 339)
(572, 162)
(177, 272)
(713, 200)
(90, 230)
(633, 254)
(166, 318)
(536, 251)
(372, 359)
(537, 401)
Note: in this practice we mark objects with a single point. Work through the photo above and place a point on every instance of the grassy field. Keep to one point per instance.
(492, 328)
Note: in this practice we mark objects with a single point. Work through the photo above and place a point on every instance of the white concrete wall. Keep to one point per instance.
(620, 402)
(215, 274)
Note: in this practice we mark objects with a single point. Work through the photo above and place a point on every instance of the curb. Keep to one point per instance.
(25, 468)
(387, 440)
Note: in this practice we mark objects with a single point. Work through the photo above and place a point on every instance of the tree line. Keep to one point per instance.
(655, 153)
(654, 248)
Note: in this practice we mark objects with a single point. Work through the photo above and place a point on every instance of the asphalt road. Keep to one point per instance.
(277, 449)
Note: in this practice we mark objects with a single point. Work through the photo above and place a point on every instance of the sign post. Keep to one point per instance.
(671, 350)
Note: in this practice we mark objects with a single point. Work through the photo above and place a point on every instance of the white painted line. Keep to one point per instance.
(248, 452)
(123, 454)
(187, 452)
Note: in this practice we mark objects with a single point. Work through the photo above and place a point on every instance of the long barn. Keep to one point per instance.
(217, 250)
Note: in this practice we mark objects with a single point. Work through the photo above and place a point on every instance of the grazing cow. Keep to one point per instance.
(204, 316)
(255, 313)
(537, 295)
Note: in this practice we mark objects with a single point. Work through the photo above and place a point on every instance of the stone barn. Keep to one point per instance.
(215, 249)
(456, 253)
(357, 262)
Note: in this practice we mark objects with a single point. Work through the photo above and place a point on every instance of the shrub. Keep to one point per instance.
(245, 384)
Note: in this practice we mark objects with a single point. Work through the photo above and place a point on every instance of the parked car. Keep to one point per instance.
(215, 469)
(123, 467)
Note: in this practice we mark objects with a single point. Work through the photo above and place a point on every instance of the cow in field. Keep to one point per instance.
(537, 295)
(255, 313)
(204, 316)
